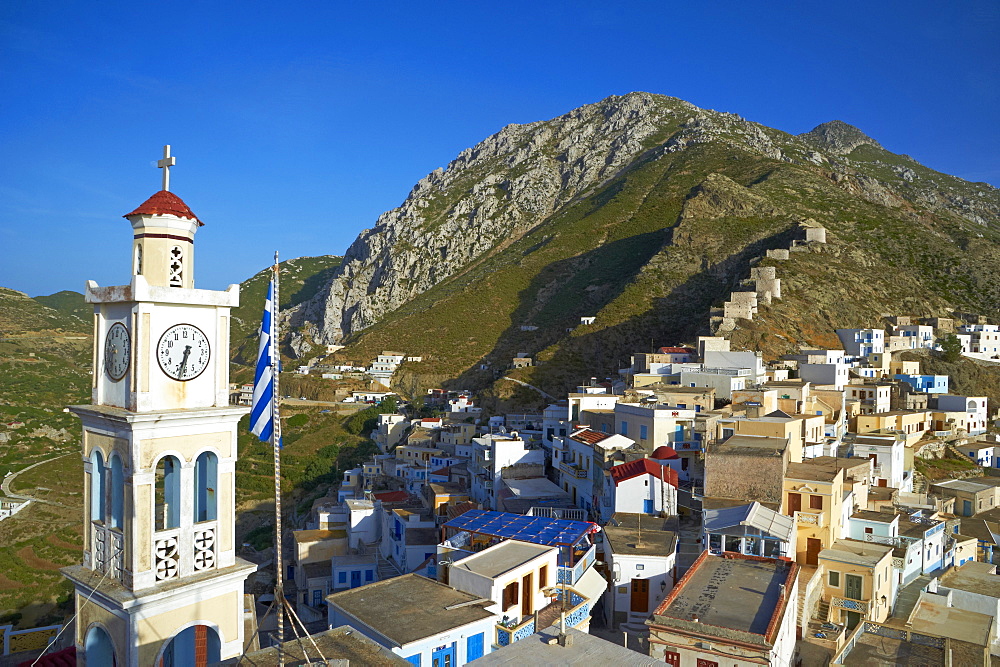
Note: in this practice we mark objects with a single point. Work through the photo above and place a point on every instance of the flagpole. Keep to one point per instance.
(279, 587)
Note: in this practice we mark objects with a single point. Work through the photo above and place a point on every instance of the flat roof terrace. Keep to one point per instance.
(502, 558)
(732, 596)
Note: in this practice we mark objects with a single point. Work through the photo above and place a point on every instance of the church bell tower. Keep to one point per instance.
(160, 582)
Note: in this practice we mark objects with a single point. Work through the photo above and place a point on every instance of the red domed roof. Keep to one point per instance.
(663, 453)
(165, 203)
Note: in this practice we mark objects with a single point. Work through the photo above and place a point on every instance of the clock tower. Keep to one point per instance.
(160, 582)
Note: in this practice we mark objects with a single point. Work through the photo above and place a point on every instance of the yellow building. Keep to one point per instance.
(767, 399)
(442, 495)
(857, 581)
(820, 494)
(784, 428)
(160, 582)
(912, 424)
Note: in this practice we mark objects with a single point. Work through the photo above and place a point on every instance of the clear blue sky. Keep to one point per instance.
(296, 124)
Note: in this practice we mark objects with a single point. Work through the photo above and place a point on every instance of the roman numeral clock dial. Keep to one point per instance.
(183, 352)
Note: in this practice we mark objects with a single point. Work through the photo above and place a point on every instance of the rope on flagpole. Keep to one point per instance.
(279, 566)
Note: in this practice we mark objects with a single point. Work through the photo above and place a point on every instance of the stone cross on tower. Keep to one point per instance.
(165, 164)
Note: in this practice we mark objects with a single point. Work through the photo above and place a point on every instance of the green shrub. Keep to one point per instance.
(298, 421)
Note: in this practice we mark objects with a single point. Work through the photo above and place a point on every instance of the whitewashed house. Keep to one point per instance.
(641, 556)
(887, 453)
(421, 620)
(643, 486)
(490, 455)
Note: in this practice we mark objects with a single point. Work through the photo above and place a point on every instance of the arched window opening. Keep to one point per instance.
(97, 485)
(117, 491)
(137, 263)
(168, 493)
(196, 646)
(206, 477)
(98, 648)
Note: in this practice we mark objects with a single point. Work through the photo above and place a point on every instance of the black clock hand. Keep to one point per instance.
(187, 353)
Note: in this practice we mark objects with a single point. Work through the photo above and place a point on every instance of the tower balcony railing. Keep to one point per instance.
(187, 550)
(107, 549)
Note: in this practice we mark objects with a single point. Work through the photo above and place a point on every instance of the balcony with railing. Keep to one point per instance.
(571, 575)
(887, 540)
(512, 632)
(573, 470)
(577, 610)
(810, 518)
(687, 445)
(849, 604)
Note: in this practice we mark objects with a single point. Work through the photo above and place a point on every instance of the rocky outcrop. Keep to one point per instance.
(838, 137)
(489, 194)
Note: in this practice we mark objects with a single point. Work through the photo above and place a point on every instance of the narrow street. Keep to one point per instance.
(688, 544)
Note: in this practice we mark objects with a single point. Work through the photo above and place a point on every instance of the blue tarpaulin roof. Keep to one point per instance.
(534, 529)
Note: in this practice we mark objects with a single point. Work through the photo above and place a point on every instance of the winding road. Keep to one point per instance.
(5, 484)
(531, 386)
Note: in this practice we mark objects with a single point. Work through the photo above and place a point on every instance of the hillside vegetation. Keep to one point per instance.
(45, 364)
(300, 280)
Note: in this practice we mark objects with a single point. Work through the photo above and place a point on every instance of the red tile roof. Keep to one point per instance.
(443, 471)
(590, 437)
(675, 350)
(391, 496)
(663, 453)
(165, 203)
(634, 469)
(458, 509)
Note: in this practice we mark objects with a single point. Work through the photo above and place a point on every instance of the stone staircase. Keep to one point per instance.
(386, 568)
(906, 598)
(919, 483)
(959, 454)
(806, 574)
(822, 611)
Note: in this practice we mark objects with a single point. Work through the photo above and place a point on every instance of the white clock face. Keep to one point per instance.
(117, 351)
(183, 352)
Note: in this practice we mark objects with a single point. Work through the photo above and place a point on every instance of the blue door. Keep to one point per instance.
(966, 508)
(443, 656)
(474, 647)
(647, 506)
(355, 578)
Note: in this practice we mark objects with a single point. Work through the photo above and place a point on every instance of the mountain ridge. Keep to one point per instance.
(509, 185)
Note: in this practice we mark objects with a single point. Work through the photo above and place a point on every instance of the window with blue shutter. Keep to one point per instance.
(342, 578)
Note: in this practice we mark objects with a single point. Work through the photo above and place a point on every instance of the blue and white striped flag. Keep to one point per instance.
(262, 412)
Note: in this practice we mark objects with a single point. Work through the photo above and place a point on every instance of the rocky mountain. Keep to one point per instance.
(644, 211)
(301, 278)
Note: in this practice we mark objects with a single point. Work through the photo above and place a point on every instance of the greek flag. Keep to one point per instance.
(262, 412)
